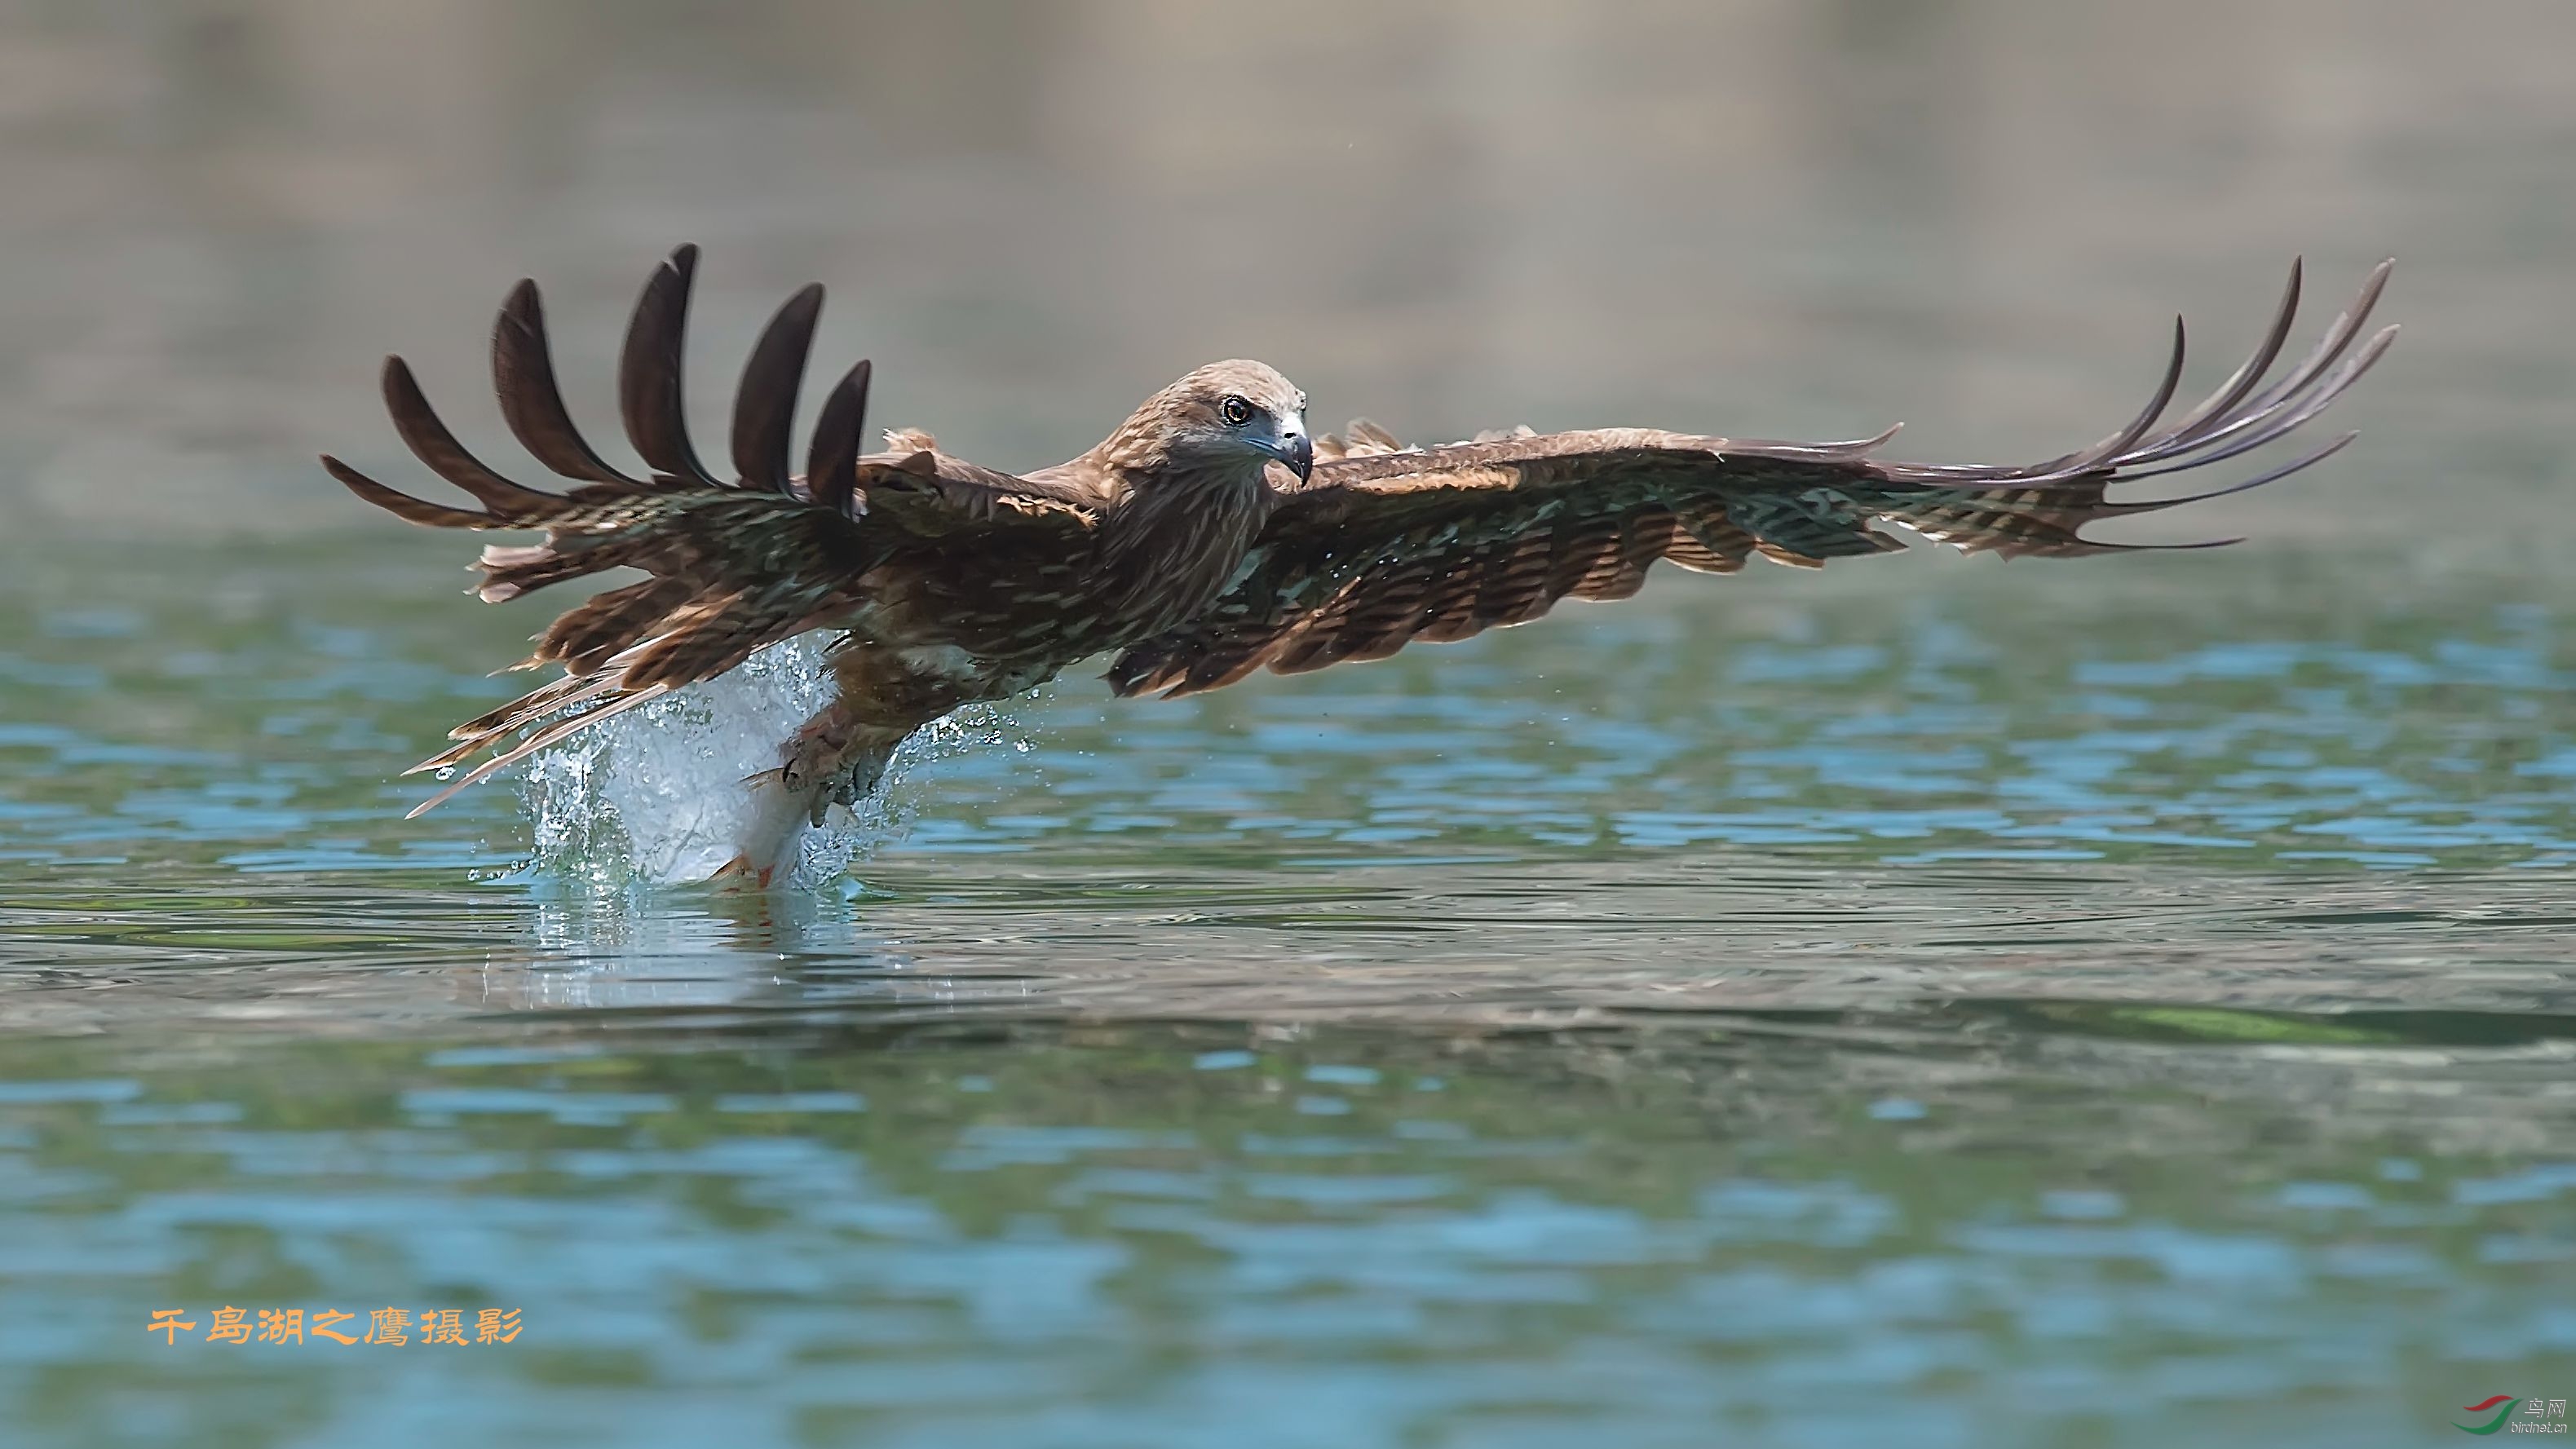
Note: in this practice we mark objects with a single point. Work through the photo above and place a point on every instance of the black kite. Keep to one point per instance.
(1207, 537)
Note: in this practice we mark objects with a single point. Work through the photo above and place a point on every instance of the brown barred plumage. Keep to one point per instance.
(1339, 571)
(1176, 542)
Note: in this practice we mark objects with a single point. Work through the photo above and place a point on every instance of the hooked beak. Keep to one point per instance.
(1297, 451)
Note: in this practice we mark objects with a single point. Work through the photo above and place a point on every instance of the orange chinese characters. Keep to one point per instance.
(384, 1325)
(281, 1325)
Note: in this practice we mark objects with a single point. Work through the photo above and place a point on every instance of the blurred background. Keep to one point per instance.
(1772, 219)
(1931, 1003)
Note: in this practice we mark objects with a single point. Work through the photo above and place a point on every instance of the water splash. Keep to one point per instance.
(660, 794)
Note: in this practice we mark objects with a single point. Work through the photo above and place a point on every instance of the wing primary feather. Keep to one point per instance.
(2248, 375)
(2347, 326)
(431, 442)
(764, 409)
(2225, 396)
(525, 710)
(1849, 448)
(2155, 505)
(403, 505)
(2251, 412)
(2127, 438)
(2237, 428)
(523, 377)
(832, 459)
(648, 374)
(2264, 430)
(545, 696)
(2227, 413)
(1860, 447)
(538, 741)
(2275, 419)
(2092, 547)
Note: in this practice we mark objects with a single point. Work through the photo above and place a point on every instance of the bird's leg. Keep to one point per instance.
(834, 762)
(836, 758)
(840, 755)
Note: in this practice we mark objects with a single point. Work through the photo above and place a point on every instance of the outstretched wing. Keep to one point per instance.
(1386, 544)
(735, 564)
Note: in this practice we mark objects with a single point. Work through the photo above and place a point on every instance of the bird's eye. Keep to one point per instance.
(1236, 412)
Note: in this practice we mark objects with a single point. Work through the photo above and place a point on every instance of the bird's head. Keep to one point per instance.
(1221, 417)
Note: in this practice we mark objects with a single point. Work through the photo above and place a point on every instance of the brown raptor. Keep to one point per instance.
(1206, 537)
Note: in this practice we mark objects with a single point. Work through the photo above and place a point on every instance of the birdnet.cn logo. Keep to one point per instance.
(2505, 1414)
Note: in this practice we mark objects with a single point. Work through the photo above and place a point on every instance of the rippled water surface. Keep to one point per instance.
(1928, 1002)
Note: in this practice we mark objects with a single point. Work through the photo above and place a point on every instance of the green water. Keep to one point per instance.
(1856, 1013)
(1926, 1002)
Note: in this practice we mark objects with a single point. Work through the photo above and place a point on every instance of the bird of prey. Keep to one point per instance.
(1208, 536)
